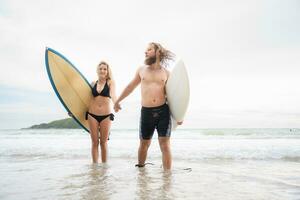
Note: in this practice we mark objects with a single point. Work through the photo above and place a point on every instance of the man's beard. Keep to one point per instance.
(150, 60)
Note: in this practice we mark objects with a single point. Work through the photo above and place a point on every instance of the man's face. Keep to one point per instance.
(150, 55)
(150, 51)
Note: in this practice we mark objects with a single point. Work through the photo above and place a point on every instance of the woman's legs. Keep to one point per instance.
(104, 133)
(94, 127)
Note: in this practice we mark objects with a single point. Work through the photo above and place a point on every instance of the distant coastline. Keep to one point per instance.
(67, 123)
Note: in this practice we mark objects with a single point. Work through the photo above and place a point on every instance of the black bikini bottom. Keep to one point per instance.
(100, 118)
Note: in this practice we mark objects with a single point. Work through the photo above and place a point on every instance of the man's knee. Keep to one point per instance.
(164, 145)
(144, 144)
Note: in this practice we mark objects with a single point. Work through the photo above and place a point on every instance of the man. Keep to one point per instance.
(155, 112)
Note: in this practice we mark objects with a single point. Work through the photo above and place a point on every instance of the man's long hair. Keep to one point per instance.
(165, 54)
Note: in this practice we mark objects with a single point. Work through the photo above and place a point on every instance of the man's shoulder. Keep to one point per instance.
(167, 71)
(142, 68)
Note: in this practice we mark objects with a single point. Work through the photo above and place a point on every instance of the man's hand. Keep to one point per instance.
(179, 123)
(117, 107)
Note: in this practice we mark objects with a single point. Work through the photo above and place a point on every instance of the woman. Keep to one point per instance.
(99, 115)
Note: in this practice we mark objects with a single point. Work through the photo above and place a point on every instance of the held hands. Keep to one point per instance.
(180, 123)
(117, 107)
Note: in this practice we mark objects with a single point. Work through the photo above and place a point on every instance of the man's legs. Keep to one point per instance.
(143, 149)
(164, 134)
(164, 143)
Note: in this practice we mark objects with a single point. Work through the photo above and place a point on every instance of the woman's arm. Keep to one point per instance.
(112, 87)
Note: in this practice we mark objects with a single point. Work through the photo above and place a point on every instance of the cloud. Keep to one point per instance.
(240, 55)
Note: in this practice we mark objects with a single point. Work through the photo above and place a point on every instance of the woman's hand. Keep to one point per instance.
(180, 123)
(117, 107)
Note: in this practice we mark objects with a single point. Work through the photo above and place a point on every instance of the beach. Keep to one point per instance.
(207, 164)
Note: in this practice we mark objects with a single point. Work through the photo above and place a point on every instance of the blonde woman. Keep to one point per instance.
(100, 115)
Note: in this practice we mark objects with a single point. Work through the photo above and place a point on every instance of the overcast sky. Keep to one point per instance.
(243, 57)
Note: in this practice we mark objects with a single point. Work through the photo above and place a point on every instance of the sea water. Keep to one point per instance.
(207, 164)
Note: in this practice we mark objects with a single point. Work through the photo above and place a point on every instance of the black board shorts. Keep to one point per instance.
(155, 118)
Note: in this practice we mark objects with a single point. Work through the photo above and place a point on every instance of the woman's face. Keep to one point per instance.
(102, 71)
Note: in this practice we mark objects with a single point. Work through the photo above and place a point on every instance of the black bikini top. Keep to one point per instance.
(104, 92)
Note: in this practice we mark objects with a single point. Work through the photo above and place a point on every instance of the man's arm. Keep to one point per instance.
(128, 89)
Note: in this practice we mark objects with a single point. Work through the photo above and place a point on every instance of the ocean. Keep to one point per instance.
(225, 164)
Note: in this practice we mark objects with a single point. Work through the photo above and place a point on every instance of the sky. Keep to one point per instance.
(242, 56)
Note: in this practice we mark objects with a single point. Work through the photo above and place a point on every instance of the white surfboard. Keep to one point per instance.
(178, 92)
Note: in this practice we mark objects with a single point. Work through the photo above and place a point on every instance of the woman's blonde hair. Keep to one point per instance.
(109, 72)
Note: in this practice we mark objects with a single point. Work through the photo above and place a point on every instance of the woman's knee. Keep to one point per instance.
(103, 143)
(95, 143)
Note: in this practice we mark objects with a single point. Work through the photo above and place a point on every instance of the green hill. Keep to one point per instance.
(68, 123)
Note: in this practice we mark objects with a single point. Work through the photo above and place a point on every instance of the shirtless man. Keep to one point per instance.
(155, 112)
